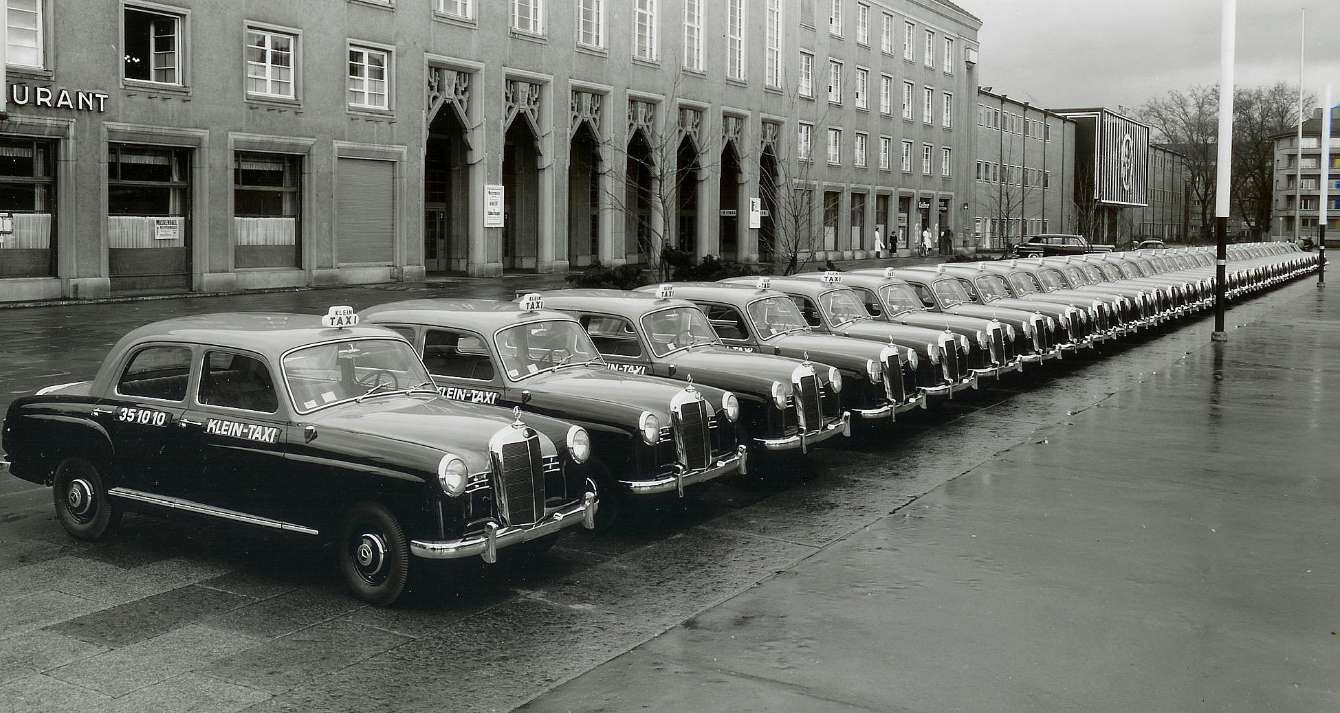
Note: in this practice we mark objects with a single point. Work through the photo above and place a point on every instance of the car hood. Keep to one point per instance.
(586, 392)
(967, 326)
(845, 353)
(741, 372)
(1013, 315)
(1048, 308)
(912, 337)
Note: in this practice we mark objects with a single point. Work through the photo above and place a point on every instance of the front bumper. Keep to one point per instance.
(682, 479)
(1039, 358)
(915, 402)
(805, 440)
(948, 390)
(495, 538)
(994, 372)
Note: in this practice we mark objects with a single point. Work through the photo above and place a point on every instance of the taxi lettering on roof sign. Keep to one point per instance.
(764, 283)
(665, 292)
(531, 302)
(339, 318)
(832, 277)
(888, 273)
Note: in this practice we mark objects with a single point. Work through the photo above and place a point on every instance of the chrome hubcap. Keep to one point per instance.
(370, 554)
(79, 498)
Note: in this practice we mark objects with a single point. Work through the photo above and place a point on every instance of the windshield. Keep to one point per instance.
(900, 298)
(772, 316)
(842, 306)
(328, 374)
(1094, 274)
(528, 349)
(1022, 283)
(950, 292)
(992, 287)
(1077, 276)
(1128, 270)
(1050, 279)
(670, 330)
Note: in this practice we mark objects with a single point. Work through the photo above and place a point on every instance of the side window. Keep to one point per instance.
(456, 354)
(406, 332)
(237, 381)
(613, 336)
(924, 294)
(157, 373)
(808, 310)
(727, 322)
(870, 300)
(968, 287)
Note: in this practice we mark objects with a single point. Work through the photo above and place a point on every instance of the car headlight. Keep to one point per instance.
(1051, 324)
(913, 359)
(1028, 328)
(780, 393)
(579, 444)
(982, 340)
(452, 475)
(933, 351)
(1009, 331)
(874, 371)
(835, 379)
(650, 426)
(731, 406)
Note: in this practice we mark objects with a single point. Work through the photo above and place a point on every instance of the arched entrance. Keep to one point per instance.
(687, 174)
(521, 198)
(584, 198)
(639, 193)
(767, 189)
(729, 202)
(446, 195)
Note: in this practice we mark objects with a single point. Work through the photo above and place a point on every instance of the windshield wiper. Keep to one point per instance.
(425, 386)
(375, 388)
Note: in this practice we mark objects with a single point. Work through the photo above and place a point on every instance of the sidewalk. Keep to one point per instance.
(1170, 549)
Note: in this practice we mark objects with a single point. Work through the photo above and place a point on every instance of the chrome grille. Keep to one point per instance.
(998, 354)
(807, 397)
(949, 359)
(521, 481)
(691, 434)
(1040, 335)
(893, 376)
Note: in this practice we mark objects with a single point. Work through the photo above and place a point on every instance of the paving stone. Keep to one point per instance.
(148, 617)
(40, 608)
(281, 664)
(38, 693)
(188, 692)
(261, 585)
(288, 612)
(38, 651)
(19, 552)
(151, 661)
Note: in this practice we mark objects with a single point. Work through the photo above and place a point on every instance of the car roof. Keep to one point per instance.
(267, 333)
(812, 288)
(474, 314)
(863, 279)
(722, 292)
(624, 303)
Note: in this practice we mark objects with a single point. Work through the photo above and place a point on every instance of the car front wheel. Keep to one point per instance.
(373, 554)
(82, 504)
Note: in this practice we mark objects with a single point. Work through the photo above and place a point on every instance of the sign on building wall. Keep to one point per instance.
(23, 94)
(493, 206)
(755, 213)
(1122, 158)
(165, 229)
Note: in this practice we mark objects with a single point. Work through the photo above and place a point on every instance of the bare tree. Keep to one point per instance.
(1011, 193)
(1259, 114)
(1188, 120)
(1086, 218)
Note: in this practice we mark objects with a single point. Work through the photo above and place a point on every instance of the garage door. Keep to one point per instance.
(366, 212)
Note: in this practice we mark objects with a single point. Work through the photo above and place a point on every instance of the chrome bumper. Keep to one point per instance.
(950, 389)
(1039, 358)
(994, 372)
(918, 401)
(682, 479)
(805, 440)
(496, 538)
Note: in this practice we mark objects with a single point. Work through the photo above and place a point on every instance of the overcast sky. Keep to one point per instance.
(1079, 53)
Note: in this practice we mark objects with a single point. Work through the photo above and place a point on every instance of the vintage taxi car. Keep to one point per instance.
(755, 318)
(304, 425)
(1098, 315)
(785, 404)
(649, 435)
(977, 284)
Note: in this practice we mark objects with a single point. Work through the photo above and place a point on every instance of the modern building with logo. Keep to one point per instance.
(1298, 187)
(214, 145)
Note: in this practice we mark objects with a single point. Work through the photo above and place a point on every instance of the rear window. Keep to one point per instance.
(237, 381)
(157, 373)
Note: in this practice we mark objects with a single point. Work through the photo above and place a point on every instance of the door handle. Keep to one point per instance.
(184, 422)
(101, 411)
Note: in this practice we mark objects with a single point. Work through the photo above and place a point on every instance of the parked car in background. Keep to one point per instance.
(1057, 244)
(1150, 245)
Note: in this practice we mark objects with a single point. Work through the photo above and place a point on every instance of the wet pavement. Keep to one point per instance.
(1152, 528)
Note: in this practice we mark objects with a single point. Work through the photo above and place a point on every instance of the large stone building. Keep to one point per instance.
(1298, 205)
(218, 145)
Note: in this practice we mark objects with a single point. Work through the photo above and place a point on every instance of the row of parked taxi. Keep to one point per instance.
(451, 428)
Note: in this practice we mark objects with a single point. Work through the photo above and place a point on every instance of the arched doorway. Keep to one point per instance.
(729, 195)
(584, 198)
(687, 174)
(446, 195)
(767, 189)
(521, 198)
(639, 193)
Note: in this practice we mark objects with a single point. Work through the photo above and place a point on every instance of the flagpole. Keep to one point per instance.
(1325, 184)
(1302, 115)
(1224, 175)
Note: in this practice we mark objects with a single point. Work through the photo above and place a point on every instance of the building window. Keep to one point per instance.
(909, 41)
(927, 104)
(804, 140)
(906, 163)
(835, 146)
(693, 35)
(835, 17)
(885, 94)
(859, 148)
(1047, 179)
(863, 23)
(948, 119)
(949, 56)
(927, 159)
(773, 41)
(591, 23)
(886, 35)
(946, 164)
(834, 81)
(735, 39)
(267, 207)
(862, 88)
(806, 74)
(368, 71)
(270, 63)
(152, 49)
(528, 16)
(1047, 132)
(644, 29)
(907, 100)
(461, 9)
(928, 53)
(27, 193)
(885, 153)
(25, 33)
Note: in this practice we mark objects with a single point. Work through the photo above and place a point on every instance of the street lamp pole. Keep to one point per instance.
(1325, 185)
(1224, 175)
(1298, 146)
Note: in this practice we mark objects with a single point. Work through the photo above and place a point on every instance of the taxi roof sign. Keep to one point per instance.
(832, 277)
(531, 302)
(889, 273)
(339, 317)
(763, 283)
(665, 292)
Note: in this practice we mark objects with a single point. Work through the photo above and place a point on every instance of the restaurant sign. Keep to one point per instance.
(23, 94)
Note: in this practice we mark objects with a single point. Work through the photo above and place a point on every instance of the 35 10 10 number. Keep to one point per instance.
(141, 416)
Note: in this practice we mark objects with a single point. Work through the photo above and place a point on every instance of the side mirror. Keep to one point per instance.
(525, 397)
(673, 369)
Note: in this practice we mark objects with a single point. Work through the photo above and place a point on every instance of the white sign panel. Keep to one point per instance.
(493, 206)
(165, 229)
(755, 213)
(6, 223)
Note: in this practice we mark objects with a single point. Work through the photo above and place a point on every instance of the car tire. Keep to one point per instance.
(83, 506)
(373, 554)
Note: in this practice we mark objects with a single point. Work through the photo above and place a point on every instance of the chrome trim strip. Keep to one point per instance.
(167, 501)
(495, 537)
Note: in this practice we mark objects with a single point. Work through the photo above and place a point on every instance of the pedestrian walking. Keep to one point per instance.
(879, 245)
(926, 245)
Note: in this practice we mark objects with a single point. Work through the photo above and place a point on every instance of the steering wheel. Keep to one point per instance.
(377, 377)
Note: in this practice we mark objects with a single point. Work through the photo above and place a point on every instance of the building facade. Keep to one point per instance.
(212, 145)
(1168, 215)
(1024, 173)
(1298, 204)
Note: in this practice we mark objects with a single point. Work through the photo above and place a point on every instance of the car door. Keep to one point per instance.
(462, 366)
(240, 431)
(617, 341)
(142, 414)
(731, 327)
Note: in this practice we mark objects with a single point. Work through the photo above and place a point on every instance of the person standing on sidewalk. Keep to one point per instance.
(879, 245)
(926, 244)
